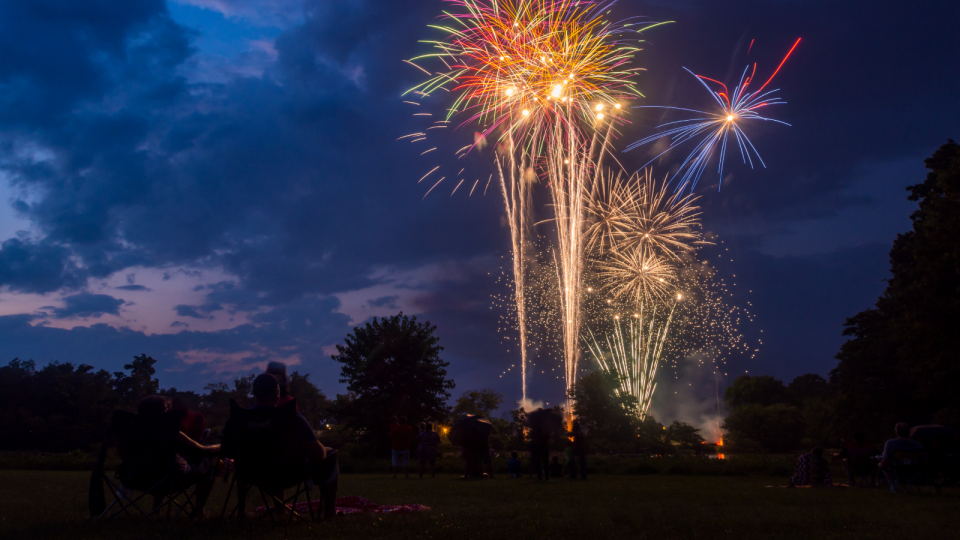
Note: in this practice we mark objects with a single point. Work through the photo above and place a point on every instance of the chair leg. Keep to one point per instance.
(226, 501)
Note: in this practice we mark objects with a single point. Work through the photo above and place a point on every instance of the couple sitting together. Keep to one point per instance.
(270, 446)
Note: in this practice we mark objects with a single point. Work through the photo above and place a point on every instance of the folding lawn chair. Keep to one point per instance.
(266, 457)
(910, 469)
(148, 453)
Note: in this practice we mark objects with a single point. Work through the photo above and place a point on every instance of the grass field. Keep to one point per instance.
(46, 504)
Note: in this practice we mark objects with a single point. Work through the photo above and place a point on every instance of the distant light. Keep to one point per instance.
(599, 116)
(679, 296)
(510, 91)
(557, 90)
(730, 118)
(617, 106)
(526, 112)
(599, 106)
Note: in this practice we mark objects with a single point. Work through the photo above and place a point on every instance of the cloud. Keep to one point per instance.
(43, 267)
(133, 288)
(88, 305)
(384, 301)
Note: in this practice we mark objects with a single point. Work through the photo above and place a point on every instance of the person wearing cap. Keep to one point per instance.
(279, 370)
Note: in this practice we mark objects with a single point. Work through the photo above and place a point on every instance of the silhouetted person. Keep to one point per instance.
(154, 407)
(902, 443)
(279, 370)
(812, 470)
(556, 469)
(401, 434)
(857, 458)
(323, 472)
(579, 450)
(539, 451)
(427, 451)
(514, 465)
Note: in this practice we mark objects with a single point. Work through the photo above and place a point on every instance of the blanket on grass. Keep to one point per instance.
(354, 504)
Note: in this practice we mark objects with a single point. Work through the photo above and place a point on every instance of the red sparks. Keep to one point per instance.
(781, 65)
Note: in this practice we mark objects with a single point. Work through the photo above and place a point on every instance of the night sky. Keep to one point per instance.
(218, 184)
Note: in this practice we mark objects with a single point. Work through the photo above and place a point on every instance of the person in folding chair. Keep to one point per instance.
(149, 443)
(275, 449)
(903, 459)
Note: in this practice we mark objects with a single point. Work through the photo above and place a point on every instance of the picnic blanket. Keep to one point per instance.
(354, 504)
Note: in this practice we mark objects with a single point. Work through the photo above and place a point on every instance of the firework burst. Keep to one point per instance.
(714, 130)
(519, 66)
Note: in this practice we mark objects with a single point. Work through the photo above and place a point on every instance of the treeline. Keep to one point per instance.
(902, 361)
(65, 407)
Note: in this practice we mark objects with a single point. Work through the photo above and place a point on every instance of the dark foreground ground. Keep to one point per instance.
(40, 504)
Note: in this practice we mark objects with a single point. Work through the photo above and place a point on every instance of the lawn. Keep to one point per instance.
(48, 504)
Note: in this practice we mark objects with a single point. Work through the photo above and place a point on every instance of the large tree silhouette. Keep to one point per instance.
(901, 363)
(393, 367)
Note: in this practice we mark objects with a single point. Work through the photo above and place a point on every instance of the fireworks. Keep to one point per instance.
(539, 77)
(714, 130)
(547, 82)
(517, 67)
(635, 354)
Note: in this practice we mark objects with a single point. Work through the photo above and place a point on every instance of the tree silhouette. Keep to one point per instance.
(900, 363)
(393, 367)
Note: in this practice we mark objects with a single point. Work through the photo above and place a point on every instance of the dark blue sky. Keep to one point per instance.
(217, 182)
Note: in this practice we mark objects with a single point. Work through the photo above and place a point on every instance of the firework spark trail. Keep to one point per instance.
(516, 198)
(642, 238)
(714, 129)
(636, 355)
(573, 173)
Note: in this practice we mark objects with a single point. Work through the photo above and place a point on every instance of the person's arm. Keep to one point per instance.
(885, 457)
(315, 451)
(185, 440)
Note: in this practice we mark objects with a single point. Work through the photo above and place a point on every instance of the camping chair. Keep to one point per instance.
(909, 469)
(148, 453)
(267, 458)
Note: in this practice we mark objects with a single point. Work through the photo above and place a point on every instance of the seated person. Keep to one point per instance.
(152, 407)
(902, 443)
(427, 451)
(514, 466)
(556, 469)
(279, 370)
(812, 470)
(324, 473)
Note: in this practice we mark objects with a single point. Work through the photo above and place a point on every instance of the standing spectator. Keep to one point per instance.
(579, 449)
(401, 434)
(857, 457)
(539, 451)
(571, 462)
(902, 443)
(427, 451)
(514, 466)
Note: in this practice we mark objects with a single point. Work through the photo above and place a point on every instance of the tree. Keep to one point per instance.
(899, 363)
(775, 428)
(60, 407)
(313, 404)
(478, 402)
(138, 384)
(757, 390)
(604, 411)
(393, 366)
(685, 435)
(806, 387)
